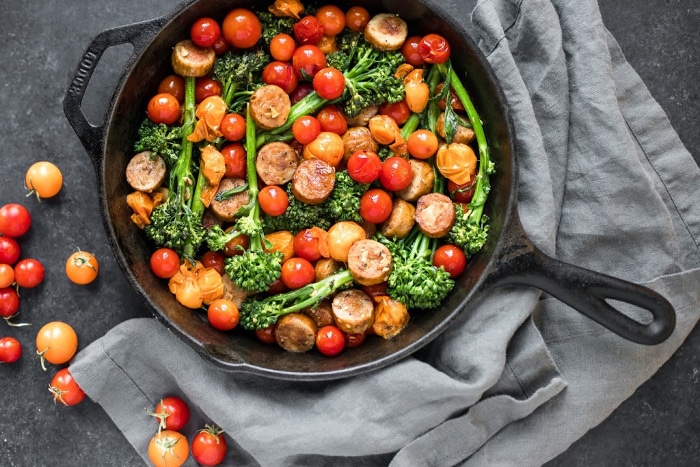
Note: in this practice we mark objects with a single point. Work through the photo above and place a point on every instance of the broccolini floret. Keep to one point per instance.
(344, 201)
(162, 139)
(238, 72)
(273, 25)
(298, 216)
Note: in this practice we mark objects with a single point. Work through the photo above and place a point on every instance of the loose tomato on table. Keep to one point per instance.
(165, 262)
(168, 448)
(15, 220)
(273, 200)
(209, 446)
(235, 160)
(10, 350)
(9, 302)
(375, 206)
(330, 340)
(364, 166)
(241, 28)
(65, 389)
(9, 250)
(29, 273)
(56, 342)
(223, 314)
(282, 47)
(7, 275)
(297, 272)
(44, 179)
(172, 413)
(82, 267)
(329, 83)
(280, 74)
(233, 127)
(396, 173)
(204, 32)
(163, 108)
(451, 258)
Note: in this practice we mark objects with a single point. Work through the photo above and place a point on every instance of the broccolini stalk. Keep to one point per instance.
(237, 71)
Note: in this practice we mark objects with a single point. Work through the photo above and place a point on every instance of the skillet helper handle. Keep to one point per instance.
(90, 135)
(587, 291)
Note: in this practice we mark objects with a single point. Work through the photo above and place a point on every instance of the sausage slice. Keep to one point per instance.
(295, 332)
(226, 209)
(269, 106)
(313, 181)
(400, 221)
(369, 262)
(276, 163)
(421, 182)
(435, 214)
(353, 311)
(146, 171)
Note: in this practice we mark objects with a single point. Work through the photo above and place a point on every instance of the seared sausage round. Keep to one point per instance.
(369, 262)
(435, 214)
(358, 138)
(295, 332)
(353, 311)
(146, 171)
(226, 209)
(276, 163)
(421, 183)
(400, 221)
(313, 181)
(269, 106)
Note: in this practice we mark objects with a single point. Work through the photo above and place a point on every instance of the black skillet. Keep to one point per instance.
(509, 257)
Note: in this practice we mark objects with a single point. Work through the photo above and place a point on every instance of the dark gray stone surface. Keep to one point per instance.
(659, 425)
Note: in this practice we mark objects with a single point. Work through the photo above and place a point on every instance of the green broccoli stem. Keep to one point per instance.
(192, 200)
(432, 111)
(313, 293)
(410, 126)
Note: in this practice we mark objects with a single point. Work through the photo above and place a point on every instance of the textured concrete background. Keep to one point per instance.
(658, 426)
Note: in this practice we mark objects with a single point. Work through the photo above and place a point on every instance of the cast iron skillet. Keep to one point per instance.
(509, 257)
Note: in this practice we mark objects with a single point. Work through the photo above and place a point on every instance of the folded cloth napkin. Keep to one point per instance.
(605, 183)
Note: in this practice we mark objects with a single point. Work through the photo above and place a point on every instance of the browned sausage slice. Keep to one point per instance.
(400, 221)
(276, 163)
(226, 209)
(269, 106)
(295, 332)
(421, 182)
(353, 311)
(313, 181)
(358, 138)
(369, 262)
(435, 214)
(146, 171)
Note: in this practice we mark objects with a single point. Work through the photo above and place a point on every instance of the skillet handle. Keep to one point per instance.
(92, 136)
(585, 290)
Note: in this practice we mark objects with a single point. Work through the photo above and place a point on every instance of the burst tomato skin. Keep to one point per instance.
(308, 30)
(168, 448)
(209, 447)
(65, 389)
(280, 74)
(364, 166)
(434, 48)
(307, 60)
(10, 350)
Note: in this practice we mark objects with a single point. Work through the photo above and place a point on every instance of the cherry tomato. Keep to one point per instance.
(65, 389)
(277, 287)
(168, 448)
(29, 273)
(7, 275)
(15, 220)
(233, 127)
(306, 129)
(209, 446)
(332, 119)
(82, 267)
(205, 32)
(237, 245)
(332, 19)
(266, 335)
(462, 193)
(451, 258)
(282, 47)
(297, 272)
(215, 260)
(163, 108)
(43, 179)
(330, 340)
(355, 339)
(307, 60)
(173, 85)
(9, 302)
(206, 87)
(10, 350)
(329, 83)
(306, 244)
(399, 111)
(303, 90)
(422, 144)
(280, 74)
(273, 200)
(165, 263)
(396, 173)
(220, 46)
(434, 48)
(411, 51)
(364, 166)
(235, 160)
(223, 314)
(356, 18)
(308, 30)
(9, 250)
(172, 413)
(241, 28)
(375, 205)
(56, 342)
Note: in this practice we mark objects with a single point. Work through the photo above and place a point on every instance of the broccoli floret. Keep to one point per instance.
(344, 202)
(273, 25)
(162, 139)
(237, 72)
(469, 232)
(298, 216)
(261, 313)
(177, 222)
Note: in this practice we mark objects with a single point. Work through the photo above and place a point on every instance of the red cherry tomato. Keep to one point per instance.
(9, 302)
(205, 32)
(354, 340)
(165, 263)
(297, 272)
(237, 245)
(206, 87)
(29, 273)
(375, 206)
(308, 30)
(422, 144)
(303, 90)
(282, 47)
(306, 129)
(273, 200)
(307, 60)
(10, 350)
(233, 127)
(266, 335)
(172, 413)
(15, 220)
(220, 46)
(330, 340)
(411, 52)
(163, 108)
(277, 287)
(223, 314)
(462, 193)
(329, 83)
(65, 389)
(356, 18)
(332, 119)
(306, 244)
(332, 19)
(9, 250)
(451, 258)
(209, 446)
(399, 111)
(434, 48)
(235, 160)
(280, 74)
(241, 28)
(364, 166)
(174, 85)
(396, 173)
(215, 260)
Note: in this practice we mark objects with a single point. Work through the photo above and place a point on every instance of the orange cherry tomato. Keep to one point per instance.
(282, 47)
(168, 448)
(241, 28)
(422, 144)
(43, 179)
(297, 272)
(223, 314)
(56, 342)
(82, 267)
(356, 18)
(332, 19)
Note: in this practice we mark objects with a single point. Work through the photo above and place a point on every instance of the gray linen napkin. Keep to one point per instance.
(605, 184)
